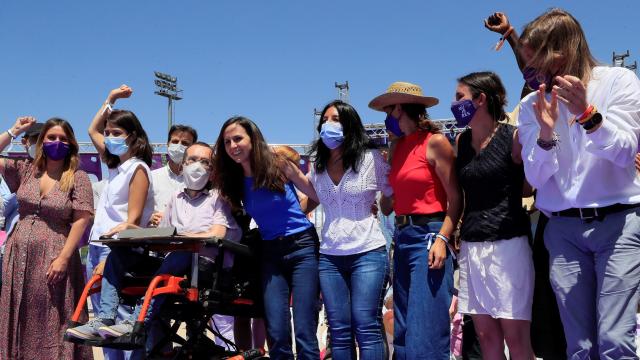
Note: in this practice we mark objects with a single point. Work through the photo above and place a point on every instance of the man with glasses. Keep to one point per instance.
(196, 211)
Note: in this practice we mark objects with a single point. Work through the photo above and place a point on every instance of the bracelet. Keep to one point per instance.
(107, 107)
(548, 145)
(503, 38)
(12, 135)
(587, 114)
(442, 237)
(592, 121)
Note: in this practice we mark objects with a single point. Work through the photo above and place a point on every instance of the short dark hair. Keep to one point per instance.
(418, 113)
(183, 128)
(198, 143)
(137, 140)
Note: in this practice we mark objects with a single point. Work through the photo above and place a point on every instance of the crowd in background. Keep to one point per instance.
(462, 251)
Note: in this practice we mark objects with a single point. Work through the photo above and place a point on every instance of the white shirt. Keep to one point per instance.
(587, 170)
(165, 184)
(349, 226)
(114, 200)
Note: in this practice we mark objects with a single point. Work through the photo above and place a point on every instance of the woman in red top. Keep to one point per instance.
(428, 204)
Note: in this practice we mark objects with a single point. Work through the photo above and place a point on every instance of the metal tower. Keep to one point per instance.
(343, 91)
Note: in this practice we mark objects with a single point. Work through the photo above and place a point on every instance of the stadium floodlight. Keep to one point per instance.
(167, 86)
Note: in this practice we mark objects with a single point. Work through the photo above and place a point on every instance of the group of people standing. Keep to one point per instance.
(575, 143)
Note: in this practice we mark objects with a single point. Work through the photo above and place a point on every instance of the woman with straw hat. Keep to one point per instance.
(428, 204)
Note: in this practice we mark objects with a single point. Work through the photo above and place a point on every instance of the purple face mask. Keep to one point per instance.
(534, 79)
(463, 111)
(55, 150)
(393, 125)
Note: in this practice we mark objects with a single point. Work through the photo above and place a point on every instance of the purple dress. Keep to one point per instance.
(33, 314)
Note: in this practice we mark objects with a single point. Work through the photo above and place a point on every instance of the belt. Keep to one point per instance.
(419, 220)
(594, 213)
(295, 236)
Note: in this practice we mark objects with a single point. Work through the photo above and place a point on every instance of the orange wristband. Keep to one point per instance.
(503, 38)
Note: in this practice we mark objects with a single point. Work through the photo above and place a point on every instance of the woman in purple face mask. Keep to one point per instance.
(43, 276)
(496, 266)
(427, 204)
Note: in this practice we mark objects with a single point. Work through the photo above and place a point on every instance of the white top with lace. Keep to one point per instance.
(349, 225)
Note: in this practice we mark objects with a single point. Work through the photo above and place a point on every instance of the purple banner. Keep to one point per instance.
(91, 164)
(158, 161)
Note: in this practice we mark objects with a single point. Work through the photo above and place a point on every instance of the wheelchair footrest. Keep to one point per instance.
(135, 340)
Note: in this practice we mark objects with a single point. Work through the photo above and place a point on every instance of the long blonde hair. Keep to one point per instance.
(71, 161)
(555, 35)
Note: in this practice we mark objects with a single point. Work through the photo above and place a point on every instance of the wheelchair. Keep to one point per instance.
(209, 289)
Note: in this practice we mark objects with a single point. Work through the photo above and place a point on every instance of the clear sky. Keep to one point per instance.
(273, 61)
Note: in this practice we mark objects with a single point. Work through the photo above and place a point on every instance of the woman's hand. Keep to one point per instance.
(120, 227)
(57, 270)
(22, 124)
(437, 254)
(122, 92)
(99, 269)
(156, 217)
(572, 92)
(546, 112)
(497, 22)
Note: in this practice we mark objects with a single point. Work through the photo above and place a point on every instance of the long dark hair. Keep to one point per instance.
(355, 138)
(71, 161)
(489, 84)
(228, 176)
(137, 140)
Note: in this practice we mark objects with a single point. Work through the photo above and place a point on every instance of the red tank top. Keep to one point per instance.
(416, 186)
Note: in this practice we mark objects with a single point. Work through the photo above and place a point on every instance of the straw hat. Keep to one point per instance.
(402, 93)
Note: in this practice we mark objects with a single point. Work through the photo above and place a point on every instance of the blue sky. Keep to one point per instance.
(273, 61)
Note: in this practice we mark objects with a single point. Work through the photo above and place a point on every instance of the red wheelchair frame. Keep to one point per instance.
(189, 304)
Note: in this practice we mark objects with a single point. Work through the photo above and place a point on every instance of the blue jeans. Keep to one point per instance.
(421, 297)
(595, 274)
(290, 269)
(122, 260)
(353, 289)
(96, 255)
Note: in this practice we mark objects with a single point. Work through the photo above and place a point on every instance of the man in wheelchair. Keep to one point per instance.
(195, 212)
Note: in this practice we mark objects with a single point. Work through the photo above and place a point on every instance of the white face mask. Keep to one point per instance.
(176, 152)
(195, 176)
(31, 150)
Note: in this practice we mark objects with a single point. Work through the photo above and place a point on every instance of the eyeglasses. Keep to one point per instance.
(204, 161)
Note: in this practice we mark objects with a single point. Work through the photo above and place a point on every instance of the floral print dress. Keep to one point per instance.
(33, 313)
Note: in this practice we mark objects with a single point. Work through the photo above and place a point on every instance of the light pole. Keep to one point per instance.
(167, 86)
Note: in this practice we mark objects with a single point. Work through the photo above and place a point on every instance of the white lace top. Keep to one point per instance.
(349, 226)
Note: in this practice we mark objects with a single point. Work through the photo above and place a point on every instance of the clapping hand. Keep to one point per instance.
(572, 92)
(546, 112)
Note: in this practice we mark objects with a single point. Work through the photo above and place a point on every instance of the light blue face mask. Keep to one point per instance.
(331, 134)
(116, 145)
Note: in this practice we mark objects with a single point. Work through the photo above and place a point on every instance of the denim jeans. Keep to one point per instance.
(353, 289)
(96, 255)
(290, 270)
(421, 296)
(595, 274)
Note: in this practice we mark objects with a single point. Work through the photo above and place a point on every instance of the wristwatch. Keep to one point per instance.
(593, 122)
